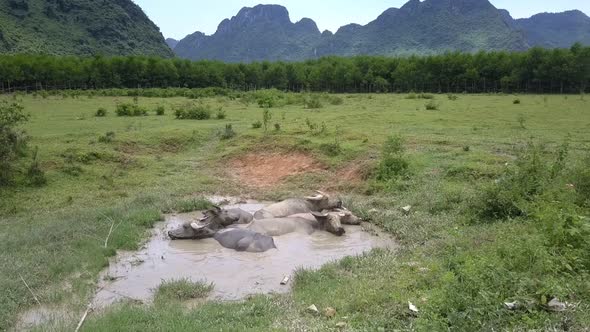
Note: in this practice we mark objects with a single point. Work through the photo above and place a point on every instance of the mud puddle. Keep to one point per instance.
(135, 276)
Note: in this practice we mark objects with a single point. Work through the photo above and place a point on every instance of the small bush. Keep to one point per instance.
(228, 132)
(335, 100)
(521, 121)
(393, 164)
(453, 97)
(431, 106)
(413, 95)
(107, 138)
(160, 110)
(100, 113)
(182, 290)
(13, 142)
(35, 175)
(220, 114)
(313, 102)
(127, 109)
(277, 127)
(331, 149)
(516, 101)
(193, 112)
(315, 129)
(257, 125)
(266, 117)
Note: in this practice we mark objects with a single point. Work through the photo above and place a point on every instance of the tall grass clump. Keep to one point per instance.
(160, 110)
(393, 166)
(193, 112)
(127, 109)
(13, 141)
(182, 290)
(101, 112)
(313, 101)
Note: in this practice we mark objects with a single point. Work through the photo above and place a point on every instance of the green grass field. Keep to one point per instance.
(456, 267)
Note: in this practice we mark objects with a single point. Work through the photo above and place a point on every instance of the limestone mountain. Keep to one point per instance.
(78, 27)
(556, 29)
(171, 42)
(264, 32)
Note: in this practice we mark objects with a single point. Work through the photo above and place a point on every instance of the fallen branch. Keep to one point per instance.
(29, 288)
(88, 309)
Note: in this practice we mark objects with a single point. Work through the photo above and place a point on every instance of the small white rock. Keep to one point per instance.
(407, 209)
(556, 306)
(511, 305)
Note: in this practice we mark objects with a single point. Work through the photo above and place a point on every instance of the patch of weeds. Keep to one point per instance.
(266, 117)
(73, 170)
(188, 205)
(35, 175)
(220, 114)
(160, 110)
(277, 127)
(313, 101)
(521, 121)
(413, 95)
(315, 129)
(101, 113)
(516, 101)
(193, 112)
(257, 125)
(107, 138)
(331, 149)
(336, 100)
(431, 106)
(228, 132)
(393, 165)
(127, 109)
(452, 97)
(182, 290)
(466, 148)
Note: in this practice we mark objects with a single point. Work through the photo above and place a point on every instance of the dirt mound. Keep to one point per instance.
(269, 169)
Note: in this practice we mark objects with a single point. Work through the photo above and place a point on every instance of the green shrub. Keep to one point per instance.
(257, 125)
(13, 142)
(453, 97)
(413, 95)
(336, 100)
(431, 106)
(516, 101)
(101, 112)
(193, 112)
(313, 102)
(35, 175)
(127, 109)
(394, 164)
(228, 132)
(107, 138)
(521, 121)
(277, 127)
(220, 114)
(266, 117)
(331, 149)
(160, 110)
(316, 129)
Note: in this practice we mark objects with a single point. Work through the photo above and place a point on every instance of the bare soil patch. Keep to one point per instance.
(269, 169)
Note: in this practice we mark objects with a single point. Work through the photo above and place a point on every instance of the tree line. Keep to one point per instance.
(534, 71)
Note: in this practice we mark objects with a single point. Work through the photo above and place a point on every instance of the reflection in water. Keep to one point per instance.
(235, 274)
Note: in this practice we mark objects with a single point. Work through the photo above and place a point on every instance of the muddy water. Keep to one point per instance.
(134, 276)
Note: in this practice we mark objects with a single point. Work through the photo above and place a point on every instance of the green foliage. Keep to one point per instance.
(220, 114)
(107, 27)
(182, 290)
(315, 129)
(521, 121)
(101, 112)
(193, 112)
(313, 101)
(107, 138)
(453, 97)
(516, 101)
(512, 72)
(257, 125)
(431, 106)
(228, 132)
(266, 117)
(331, 149)
(127, 109)
(336, 100)
(394, 165)
(13, 142)
(160, 110)
(277, 127)
(35, 175)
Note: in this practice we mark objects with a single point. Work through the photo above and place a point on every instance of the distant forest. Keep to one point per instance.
(534, 71)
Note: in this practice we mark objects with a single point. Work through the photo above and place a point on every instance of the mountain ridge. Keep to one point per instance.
(418, 27)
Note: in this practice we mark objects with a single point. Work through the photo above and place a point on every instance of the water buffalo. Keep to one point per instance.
(240, 239)
(294, 206)
(228, 217)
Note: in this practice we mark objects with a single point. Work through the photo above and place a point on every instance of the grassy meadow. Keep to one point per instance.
(473, 241)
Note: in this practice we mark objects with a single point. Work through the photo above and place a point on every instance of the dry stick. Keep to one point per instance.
(88, 308)
(106, 241)
(29, 288)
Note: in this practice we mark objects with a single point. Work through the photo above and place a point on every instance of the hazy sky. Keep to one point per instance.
(178, 18)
